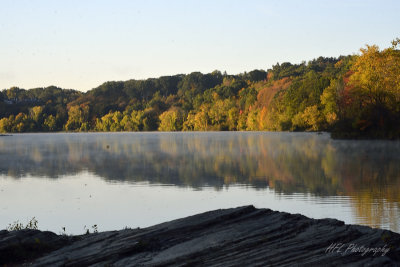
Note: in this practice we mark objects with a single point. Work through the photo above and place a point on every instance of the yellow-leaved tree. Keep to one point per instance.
(373, 92)
(171, 120)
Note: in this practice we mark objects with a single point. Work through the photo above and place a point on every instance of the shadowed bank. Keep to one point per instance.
(243, 235)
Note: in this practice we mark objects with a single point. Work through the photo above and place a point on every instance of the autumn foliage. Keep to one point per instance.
(351, 96)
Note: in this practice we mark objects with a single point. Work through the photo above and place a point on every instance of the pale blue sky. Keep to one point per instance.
(80, 44)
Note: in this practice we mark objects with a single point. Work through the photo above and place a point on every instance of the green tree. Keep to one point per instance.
(189, 123)
(5, 126)
(252, 122)
(171, 120)
(109, 122)
(150, 120)
(136, 121)
(371, 98)
(23, 123)
(310, 119)
(50, 123)
(13, 93)
(36, 113)
(78, 118)
(330, 101)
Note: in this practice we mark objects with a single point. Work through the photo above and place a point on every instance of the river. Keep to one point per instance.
(116, 180)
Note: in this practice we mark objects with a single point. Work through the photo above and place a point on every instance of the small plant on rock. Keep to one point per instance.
(17, 225)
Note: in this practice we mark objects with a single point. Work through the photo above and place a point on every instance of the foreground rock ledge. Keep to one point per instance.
(243, 235)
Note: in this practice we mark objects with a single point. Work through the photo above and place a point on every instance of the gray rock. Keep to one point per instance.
(230, 237)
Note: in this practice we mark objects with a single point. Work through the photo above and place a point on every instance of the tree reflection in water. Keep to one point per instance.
(366, 171)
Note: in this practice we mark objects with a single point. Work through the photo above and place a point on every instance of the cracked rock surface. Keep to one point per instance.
(228, 237)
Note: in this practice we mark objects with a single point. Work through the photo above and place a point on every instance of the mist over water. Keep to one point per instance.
(138, 179)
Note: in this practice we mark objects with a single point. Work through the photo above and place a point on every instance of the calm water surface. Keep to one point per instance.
(118, 180)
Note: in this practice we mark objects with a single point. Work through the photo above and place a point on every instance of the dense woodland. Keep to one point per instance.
(355, 96)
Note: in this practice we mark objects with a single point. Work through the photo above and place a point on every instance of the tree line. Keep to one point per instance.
(356, 96)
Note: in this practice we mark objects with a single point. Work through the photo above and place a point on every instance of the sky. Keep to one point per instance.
(79, 44)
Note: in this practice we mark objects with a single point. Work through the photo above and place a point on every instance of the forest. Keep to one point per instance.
(355, 96)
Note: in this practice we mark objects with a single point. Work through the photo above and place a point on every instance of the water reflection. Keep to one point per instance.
(367, 172)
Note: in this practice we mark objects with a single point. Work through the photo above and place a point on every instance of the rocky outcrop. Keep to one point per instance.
(230, 237)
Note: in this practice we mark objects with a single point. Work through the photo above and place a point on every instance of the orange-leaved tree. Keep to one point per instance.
(374, 90)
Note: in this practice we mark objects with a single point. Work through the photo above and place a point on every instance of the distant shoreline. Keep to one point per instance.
(339, 95)
(333, 135)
